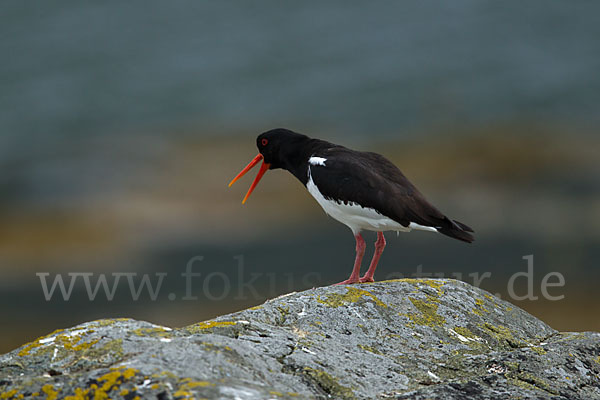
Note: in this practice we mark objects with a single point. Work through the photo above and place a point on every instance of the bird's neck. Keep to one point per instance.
(296, 159)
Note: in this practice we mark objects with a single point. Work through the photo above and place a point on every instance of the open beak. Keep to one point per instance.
(263, 168)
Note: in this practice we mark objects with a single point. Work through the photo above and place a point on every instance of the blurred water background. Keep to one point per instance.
(121, 124)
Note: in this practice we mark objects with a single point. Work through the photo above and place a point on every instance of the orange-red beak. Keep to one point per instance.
(263, 168)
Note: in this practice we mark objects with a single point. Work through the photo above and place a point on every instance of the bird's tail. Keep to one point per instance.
(456, 230)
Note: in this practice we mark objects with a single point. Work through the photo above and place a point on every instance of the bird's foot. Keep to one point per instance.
(348, 281)
(366, 279)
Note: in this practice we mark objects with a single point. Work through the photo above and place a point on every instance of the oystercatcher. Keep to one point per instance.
(362, 190)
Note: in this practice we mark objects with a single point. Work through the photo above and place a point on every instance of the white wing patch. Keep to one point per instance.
(317, 161)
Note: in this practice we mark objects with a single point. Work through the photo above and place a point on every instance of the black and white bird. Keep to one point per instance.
(362, 190)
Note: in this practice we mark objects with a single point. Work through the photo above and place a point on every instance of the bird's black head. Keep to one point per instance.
(280, 146)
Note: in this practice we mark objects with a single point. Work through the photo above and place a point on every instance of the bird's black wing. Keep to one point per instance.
(372, 181)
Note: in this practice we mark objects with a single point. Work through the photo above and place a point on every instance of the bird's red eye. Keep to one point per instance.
(264, 142)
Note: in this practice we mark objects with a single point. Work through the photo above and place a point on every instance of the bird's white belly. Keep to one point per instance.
(359, 218)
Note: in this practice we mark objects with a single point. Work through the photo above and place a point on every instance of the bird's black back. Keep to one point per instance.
(372, 181)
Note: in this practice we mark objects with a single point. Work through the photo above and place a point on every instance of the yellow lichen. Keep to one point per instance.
(110, 381)
(8, 395)
(37, 343)
(66, 341)
(51, 393)
(116, 376)
(352, 295)
(200, 326)
(182, 393)
(80, 394)
(195, 384)
(186, 386)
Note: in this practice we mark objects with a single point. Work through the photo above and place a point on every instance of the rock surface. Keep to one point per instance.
(404, 339)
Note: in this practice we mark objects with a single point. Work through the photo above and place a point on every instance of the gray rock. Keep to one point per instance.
(403, 339)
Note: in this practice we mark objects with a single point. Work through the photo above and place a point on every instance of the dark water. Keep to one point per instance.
(71, 68)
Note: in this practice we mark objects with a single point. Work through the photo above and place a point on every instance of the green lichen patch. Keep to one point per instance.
(479, 309)
(352, 295)
(102, 353)
(328, 383)
(529, 381)
(370, 349)
(152, 332)
(283, 314)
(538, 349)
(202, 327)
(503, 335)
(464, 331)
(476, 344)
(427, 312)
(436, 348)
(164, 374)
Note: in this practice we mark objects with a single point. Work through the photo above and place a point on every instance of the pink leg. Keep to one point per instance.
(360, 252)
(379, 246)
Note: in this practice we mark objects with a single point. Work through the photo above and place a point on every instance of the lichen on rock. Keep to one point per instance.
(403, 339)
